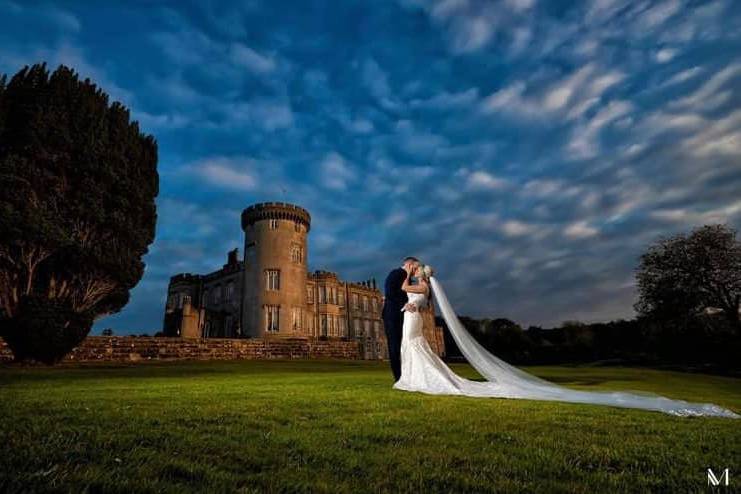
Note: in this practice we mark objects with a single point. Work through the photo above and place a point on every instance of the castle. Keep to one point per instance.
(270, 293)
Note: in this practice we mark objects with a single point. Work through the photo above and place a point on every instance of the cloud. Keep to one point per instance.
(483, 180)
(511, 100)
(665, 55)
(659, 13)
(336, 173)
(579, 230)
(415, 141)
(247, 57)
(225, 172)
(58, 18)
(683, 75)
(584, 142)
(726, 214)
(710, 94)
(569, 97)
(545, 148)
(720, 137)
(376, 80)
(63, 19)
(171, 121)
(447, 101)
(515, 228)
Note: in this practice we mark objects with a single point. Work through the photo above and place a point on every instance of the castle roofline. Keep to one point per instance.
(190, 277)
(321, 274)
(275, 211)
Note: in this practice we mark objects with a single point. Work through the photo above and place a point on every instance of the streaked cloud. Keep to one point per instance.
(528, 150)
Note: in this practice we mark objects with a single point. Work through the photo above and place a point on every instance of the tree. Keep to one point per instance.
(687, 275)
(77, 212)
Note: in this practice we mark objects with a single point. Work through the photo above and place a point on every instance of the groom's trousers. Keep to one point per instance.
(392, 323)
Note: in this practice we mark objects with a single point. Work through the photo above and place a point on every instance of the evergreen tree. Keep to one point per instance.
(77, 212)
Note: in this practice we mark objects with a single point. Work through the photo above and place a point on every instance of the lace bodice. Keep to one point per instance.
(418, 299)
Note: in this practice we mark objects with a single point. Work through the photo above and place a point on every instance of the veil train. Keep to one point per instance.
(511, 382)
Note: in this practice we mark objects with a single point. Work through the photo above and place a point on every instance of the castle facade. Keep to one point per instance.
(270, 293)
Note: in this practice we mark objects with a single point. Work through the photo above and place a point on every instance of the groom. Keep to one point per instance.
(394, 300)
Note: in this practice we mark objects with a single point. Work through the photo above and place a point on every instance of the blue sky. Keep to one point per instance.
(528, 150)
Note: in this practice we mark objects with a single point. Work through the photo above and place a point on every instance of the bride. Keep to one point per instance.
(422, 370)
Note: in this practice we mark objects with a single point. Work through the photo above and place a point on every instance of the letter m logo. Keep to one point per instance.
(713, 480)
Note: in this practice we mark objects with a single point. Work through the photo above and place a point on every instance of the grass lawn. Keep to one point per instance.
(337, 426)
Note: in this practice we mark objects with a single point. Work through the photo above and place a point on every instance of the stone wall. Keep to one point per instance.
(133, 349)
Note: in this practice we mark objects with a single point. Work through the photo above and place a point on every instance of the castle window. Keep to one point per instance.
(273, 224)
(358, 330)
(331, 325)
(376, 329)
(230, 291)
(365, 303)
(297, 254)
(322, 294)
(297, 226)
(272, 279)
(342, 297)
(310, 294)
(343, 327)
(272, 318)
(217, 294)
(367, 329)
(324, 326)
(355, 301)
(296, 318)
(375, 304)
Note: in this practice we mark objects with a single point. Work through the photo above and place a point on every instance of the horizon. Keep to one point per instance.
(529, 151)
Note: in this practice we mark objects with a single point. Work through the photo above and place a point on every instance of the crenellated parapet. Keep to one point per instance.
(185, 278)
(275, 211)
(323, 275)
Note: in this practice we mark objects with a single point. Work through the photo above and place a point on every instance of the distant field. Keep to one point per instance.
(337, 426)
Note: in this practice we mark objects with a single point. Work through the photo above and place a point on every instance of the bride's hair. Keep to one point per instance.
(426, 270)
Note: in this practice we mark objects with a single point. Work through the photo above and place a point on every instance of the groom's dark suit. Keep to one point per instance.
(393, 317)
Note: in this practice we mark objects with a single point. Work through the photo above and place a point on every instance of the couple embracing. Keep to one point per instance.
(416, 367)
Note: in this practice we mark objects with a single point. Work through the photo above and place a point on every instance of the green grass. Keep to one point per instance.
(321, 426)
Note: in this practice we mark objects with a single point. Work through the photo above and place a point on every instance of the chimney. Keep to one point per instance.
(232, 257)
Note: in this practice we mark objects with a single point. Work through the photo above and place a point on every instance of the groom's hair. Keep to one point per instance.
(410, 258)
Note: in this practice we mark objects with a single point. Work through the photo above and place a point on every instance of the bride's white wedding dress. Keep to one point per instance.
(422, 370)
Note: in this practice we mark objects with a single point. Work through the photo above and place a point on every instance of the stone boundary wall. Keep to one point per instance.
(149, 348)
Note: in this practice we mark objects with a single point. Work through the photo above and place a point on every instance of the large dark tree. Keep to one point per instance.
(685, 275)
(77, 212)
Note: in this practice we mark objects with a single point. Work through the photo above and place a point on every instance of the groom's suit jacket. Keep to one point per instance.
(395, 297)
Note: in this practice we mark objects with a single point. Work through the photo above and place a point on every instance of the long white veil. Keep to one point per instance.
(507, 381)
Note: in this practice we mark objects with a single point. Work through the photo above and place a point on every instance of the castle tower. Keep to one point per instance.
(275, 256)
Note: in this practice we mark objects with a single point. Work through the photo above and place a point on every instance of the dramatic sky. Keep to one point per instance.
(528, 150)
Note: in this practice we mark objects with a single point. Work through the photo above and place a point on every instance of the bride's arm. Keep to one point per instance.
(419, 288)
